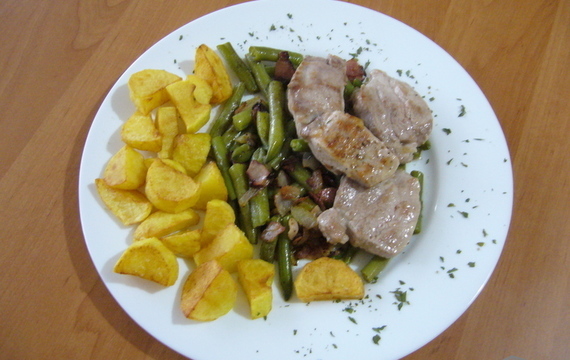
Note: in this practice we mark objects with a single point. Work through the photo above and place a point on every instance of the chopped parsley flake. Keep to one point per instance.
(290, 16)
(446, 131)
(471, 264)
(181, 37)
(401, 298)
(462, 111)
(352, 319)
(376, 339)
(272, 28)
(481, 244)
(485, 233)
(464, 214)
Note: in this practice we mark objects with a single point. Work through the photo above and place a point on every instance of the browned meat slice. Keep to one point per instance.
(380, 219)
(344, 145)
(394, 112)
(317, 87)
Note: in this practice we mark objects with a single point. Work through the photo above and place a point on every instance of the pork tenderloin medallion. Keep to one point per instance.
(380, 219)
(394, 112)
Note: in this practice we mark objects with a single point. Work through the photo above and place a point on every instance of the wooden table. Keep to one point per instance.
(58, 60)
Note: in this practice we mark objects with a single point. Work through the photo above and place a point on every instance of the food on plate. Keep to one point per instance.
(209, 66)
(129, 206)
(147, 88)
(328, 279)
(219, 214)
(184, 243)
(140, 132)
(168, 127)
(193, 113)
(212, 185)
(169, 189)
(228, 247)
(380, 219)
(149, 259)
(191, 151)
(160, 223)
(394, 112)
(256, 277)
(125, 170)
(208, 292)
(203, 92)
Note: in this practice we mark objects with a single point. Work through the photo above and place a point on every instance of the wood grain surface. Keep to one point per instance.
(58, 59)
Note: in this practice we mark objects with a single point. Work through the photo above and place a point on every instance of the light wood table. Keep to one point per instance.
(58, 59)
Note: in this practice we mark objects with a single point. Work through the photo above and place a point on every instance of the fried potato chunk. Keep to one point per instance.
(169, 189)
(184, 243)
(209, 66)
(228, 247)
(328, 279)
(212, 185)
(167, 124)
(149, 259)
(147, 88)
(208, 293)
(140, 133)
(125, 170)
(129, 206)
(256, 277)
(219, 214)
(194, 114)
(160, 223)
(191, 151)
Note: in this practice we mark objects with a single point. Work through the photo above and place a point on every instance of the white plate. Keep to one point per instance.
(468, 196)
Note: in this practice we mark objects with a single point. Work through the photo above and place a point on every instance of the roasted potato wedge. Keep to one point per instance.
(191, 150)
(125, 170)
(140, 133)
(228, 247)
(147, 88)
(160, 224)
(256, 277)
(212, 185)
(129, 206)
(167, 124)
(170, 190)
(149, 259)
(328, 279)
(184, 243)
(209, 66)
(193, 114)
(203, 91)
(208, 293)
(219, 214)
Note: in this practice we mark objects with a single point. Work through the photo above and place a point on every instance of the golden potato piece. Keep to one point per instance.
(125, 170)
(161, 223)
(208, 293)
(170, 190)
(212, 185)
(219, 214)
(167, 124)
(184, 243)
(328, 279)
(129, 206)
(256, 277)
(193, 114)
(191, 150)
(147, 88)
(140, 133)
(203, 92)
(209, 66)
(149, 259)
(228, 247)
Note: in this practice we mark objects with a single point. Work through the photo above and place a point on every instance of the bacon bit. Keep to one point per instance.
(354, 71)
(284, 68)
(324, 198)
(258, 174)
(271, 231)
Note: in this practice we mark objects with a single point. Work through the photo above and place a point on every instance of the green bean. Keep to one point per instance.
(259, 207)
(300, 145)
(299, 174)
(262, 78)
(221, 155)
(242, 119)
(259, 155)
(276, 99)
(239, 179)
(225, 116)
(373, 268)
(262, 124)
(349, 254)
(262, 53)
(242, 153)
(420, 176)
(284, 262)
(238, 66)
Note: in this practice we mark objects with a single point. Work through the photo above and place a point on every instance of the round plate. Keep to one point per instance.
(468, 196)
